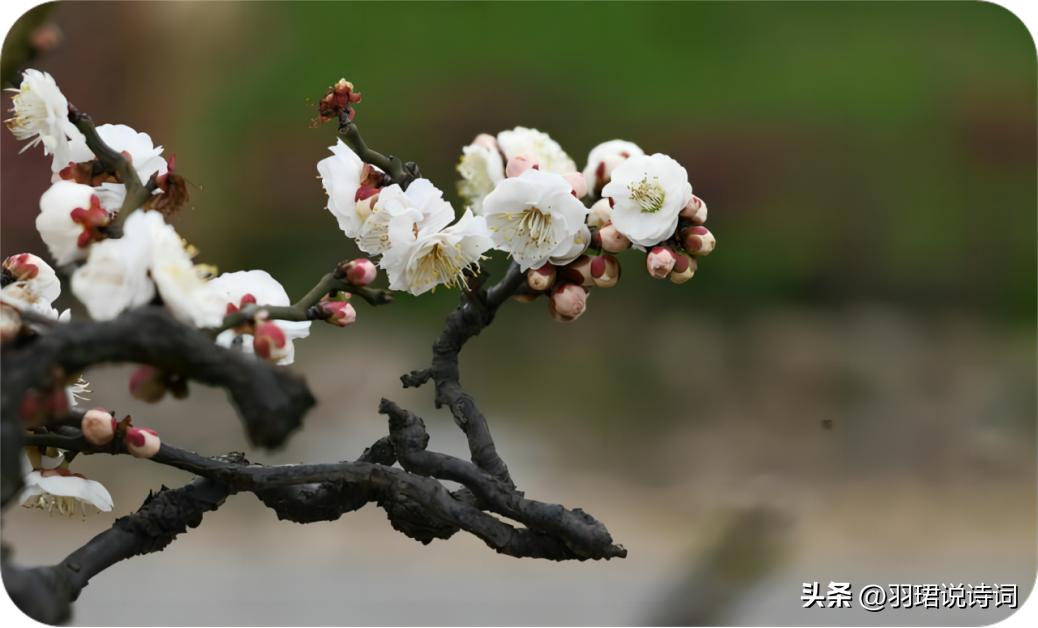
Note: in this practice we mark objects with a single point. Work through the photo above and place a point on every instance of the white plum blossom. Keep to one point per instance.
(579, 244)
(145, 156)
(648, 193)
(115, 276)
(35, 288)
(550, 156)
(535, 217)
(604, 158)
(420, 207)
(418, 262)
(255, 286)
(41, 115)
(70, 215)
(481, 169)
(342, 175)
(51, 486)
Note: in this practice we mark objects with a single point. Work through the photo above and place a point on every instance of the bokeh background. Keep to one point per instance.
(870, 170)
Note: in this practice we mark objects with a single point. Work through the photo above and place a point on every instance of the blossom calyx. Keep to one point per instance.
(271, 343)
(22, 267)
(612, 240)
(567, 302)
(660, 262)
(695, 211)
(542, 278)
(338, 101)
(698, 240)
(520, 164)
(605, 271)
(684, 268)
(142, 442)
(70, 218)
(98, 426)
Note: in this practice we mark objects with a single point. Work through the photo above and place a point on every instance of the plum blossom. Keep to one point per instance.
(550, 156)
(536, 217)
(41, 115)
(420, 208)
(146, 158)
(35, 288)
(343, 176)
(604, 158)
(428, 256)
(255, 286)
(648, 193)
(50, 486)
(71, 217)
(481, 169)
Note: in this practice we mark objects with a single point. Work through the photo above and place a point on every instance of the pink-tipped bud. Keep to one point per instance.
(361, 273)
(340, 313)
(142, 442)
(567, 302)
(578, 271)
(600, 213)
(612, 240)
(24, 266)
(98, 426)
(487, 141)
(695, 210)
(660, 262)
(605, 271)
(270, 343)
(541, 278)
(148, 384)
(520, 164)
(576, 181)
(684, 268)
(698, 240)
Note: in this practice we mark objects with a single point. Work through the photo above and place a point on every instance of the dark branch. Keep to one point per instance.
(399, 172)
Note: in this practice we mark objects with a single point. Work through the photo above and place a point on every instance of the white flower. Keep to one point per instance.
(550, 156)
(481, 169)
(648, 194)
(115, 277)
(342, 175)
(255, 286)
(419, 208)
(41, 112)
(70, 215)
(578, 245)
(52, 487)
(534, 217)
(419, 262)
(146, 158)
(36, 287)
(604, 158)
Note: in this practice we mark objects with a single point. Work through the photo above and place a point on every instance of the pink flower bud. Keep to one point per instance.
(270, 343)
(612, 240)
(567, 302)
(541, 278)
(487, 141)
(23, 267)
(576, 181)
(361, 273)
(142, 442)
(341, 313)
(660, 262)
(520, 164)
(695, 210)
(698, 240)
(684, 268)
(98, 426)
(605, 271)
(578, 271)
(148, 384)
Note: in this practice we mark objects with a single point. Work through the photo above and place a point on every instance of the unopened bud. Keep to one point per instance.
(576, 181)
(520, 164)
(605, 271)
(660, 262)
(567, 302)
(98, 426)
(362, 272)
(487, 141)
(698, 240)
(612, 240)
(148, 384)
(695, 210)
(578, 271)
(339, 313)
(600, 213)
(684, 268)
(541, 278)
(270, 343)
(142, 442)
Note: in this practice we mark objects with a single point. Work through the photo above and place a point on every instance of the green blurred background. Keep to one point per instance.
(870, 170)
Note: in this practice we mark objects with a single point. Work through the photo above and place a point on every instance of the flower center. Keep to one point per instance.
(648, 195)
(441, 265)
